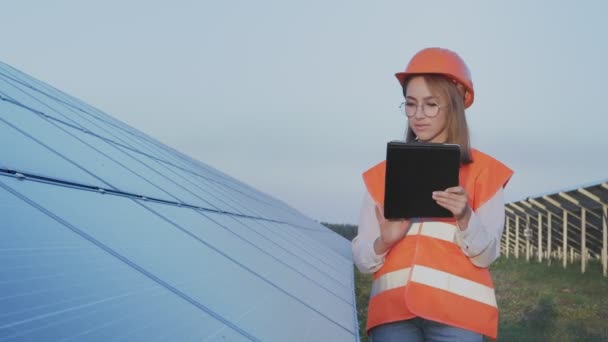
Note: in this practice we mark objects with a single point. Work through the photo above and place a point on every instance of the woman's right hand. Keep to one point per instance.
(391, 231)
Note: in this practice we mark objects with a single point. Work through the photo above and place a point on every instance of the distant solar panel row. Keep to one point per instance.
(108, 235)
(558, 224)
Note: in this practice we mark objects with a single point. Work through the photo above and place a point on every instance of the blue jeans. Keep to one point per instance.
(420, 329)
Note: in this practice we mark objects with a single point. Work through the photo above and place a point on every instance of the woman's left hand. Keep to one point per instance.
(455, 200)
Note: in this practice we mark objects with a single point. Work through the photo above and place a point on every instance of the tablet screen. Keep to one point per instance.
(413, 172)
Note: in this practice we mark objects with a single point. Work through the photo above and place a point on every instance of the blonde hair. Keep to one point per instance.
(452, 94)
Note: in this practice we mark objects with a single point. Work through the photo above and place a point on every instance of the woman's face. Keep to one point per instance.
(419, 100)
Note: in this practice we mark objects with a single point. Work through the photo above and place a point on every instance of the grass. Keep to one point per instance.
(363, 285)
(536, 302)
(547, 303)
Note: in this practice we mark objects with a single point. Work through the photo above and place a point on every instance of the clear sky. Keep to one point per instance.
(298, 98)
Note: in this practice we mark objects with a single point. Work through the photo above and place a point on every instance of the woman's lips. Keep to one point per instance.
(421, 127)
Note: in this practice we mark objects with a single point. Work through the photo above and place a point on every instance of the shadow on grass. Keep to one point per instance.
(540, 323)
(541, 317)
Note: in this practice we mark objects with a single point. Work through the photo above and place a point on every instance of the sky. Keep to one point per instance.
(297, 99)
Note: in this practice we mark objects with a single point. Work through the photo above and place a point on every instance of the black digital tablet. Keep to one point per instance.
(413, 172)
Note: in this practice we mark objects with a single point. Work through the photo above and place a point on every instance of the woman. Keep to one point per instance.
(431, 280)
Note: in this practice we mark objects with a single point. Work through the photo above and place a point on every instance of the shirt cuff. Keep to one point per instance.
(467, 237)
(374, 260)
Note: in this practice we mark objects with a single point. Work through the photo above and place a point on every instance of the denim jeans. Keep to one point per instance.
(420, 329)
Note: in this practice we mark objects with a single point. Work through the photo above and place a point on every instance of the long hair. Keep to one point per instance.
(452, 95)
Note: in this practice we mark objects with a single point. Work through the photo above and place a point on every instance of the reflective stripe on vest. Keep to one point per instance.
(437, 279)
(438, 230)
(390, 281)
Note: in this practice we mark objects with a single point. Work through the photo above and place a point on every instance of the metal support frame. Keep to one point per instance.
(583, 211)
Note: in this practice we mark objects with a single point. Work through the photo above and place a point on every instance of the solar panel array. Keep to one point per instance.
(562, 225)
(108, 235)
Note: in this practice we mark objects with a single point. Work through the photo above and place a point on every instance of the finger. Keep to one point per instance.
(455, 204)
(454, 207)
(457, 209)
(448, 195)
(405, 223)
(454, 211)
(456, 190)
(380, 214)
(449, 207)
(447, 203)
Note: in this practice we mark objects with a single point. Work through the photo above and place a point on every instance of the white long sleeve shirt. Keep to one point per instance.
(480, 241)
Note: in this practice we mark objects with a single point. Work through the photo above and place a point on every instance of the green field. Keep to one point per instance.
(537, 302)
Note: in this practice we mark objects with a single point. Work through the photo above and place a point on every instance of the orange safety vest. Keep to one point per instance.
(426, 274)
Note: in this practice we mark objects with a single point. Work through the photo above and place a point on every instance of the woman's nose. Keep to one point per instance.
(419, 112)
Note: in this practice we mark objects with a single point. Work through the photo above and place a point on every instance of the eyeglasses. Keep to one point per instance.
(410, 109)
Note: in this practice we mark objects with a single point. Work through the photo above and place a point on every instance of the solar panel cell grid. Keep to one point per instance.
(77, 263)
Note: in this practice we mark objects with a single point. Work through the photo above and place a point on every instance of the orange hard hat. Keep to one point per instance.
(444, 62)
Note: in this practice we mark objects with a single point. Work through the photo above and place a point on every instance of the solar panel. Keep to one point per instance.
(109, 235)
(574, 218)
